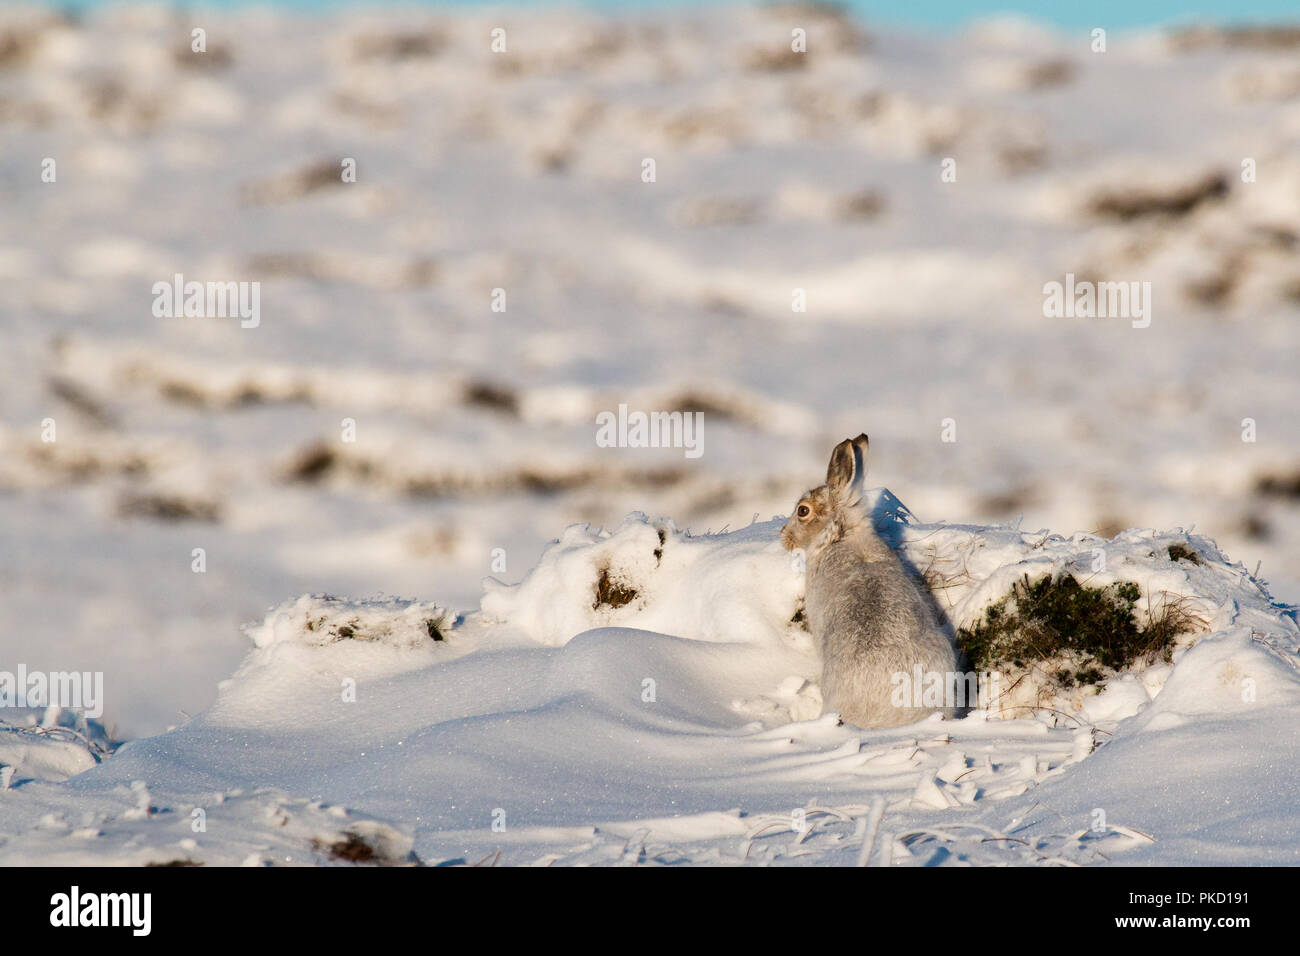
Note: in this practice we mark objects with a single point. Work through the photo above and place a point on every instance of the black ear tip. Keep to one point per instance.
(861, 439)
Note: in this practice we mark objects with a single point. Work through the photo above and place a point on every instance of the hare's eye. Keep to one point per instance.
(803, 511)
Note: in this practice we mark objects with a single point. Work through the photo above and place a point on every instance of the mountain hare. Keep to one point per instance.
(866, 613)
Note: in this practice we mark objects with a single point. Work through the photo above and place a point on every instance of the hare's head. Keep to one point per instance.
(825, 513)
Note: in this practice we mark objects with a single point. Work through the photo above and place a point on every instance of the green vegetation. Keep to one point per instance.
(1080, 634)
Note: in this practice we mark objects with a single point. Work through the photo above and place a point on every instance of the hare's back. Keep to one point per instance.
(851, 589)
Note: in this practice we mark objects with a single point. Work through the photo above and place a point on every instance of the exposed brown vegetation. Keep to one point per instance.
(1135, 202)
(1279, 485)
(1181, 552)
(498, 398)
(168, 507)
(612, 591)
(313, 463)
(1274, 37)
(350, 848)
(409, 45)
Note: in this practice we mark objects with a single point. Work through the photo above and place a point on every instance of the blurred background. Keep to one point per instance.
(515, 179)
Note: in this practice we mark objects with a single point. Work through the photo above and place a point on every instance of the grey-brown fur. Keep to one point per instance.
(869, 617)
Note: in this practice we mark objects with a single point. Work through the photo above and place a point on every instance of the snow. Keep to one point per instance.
(683, 727)
(475, 436)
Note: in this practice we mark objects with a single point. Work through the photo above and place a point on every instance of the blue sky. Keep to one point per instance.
(1112, 14)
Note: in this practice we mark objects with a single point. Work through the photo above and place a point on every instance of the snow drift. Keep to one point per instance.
(649, 695)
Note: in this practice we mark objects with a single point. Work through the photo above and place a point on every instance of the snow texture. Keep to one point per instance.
(683, 727)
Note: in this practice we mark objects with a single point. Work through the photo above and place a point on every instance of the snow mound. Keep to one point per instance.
(320, 620)
(972, 568)
(744, 588)
(652, 588)
(48, 744)
(648, 695)
(740, 587)
(33, 753)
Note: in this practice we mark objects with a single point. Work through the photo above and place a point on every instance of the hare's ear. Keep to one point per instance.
(860, 445)
(843, 469)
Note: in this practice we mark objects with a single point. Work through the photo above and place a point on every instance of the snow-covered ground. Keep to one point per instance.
(475, 429)
(683, 727)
